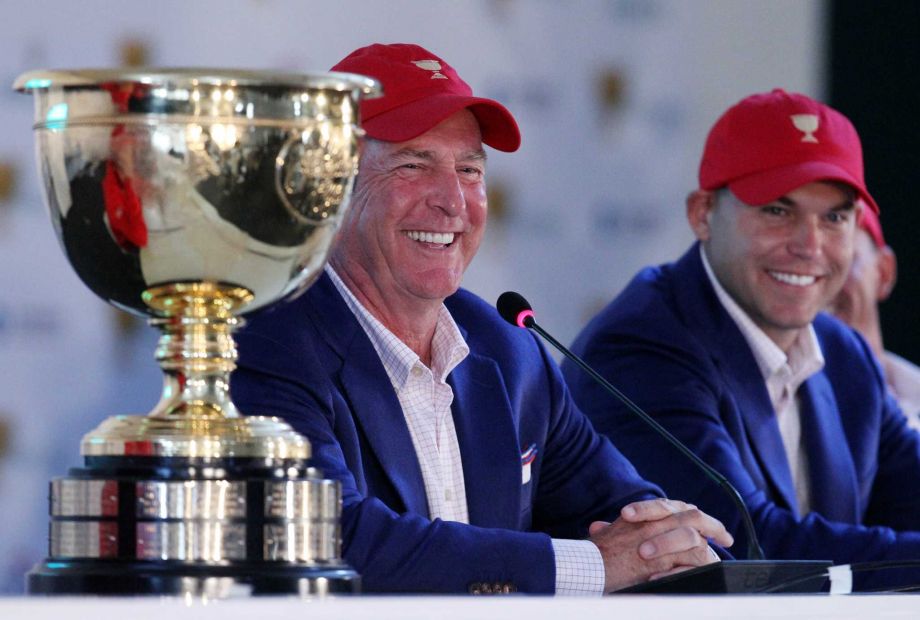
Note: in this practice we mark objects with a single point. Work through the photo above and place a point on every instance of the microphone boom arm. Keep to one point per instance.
(754, 550)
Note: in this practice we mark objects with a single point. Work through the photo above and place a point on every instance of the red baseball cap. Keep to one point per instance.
(768, 144)
(870, 223)
(419, 91)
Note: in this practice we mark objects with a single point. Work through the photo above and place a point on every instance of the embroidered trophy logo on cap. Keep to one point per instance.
(431, 65)
(807, 124)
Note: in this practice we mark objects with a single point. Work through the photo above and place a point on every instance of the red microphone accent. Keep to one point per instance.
(522, 317)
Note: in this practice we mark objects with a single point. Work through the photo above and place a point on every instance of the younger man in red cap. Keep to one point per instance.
(728, 350)
(465, 466)
(871, 280)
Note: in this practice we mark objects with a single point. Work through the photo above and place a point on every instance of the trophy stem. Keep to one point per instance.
(195, 416)
(196, 349)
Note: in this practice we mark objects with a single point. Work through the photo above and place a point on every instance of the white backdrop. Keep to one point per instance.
(614, 98)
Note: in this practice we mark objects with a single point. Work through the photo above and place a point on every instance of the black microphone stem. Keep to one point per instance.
(754, 550)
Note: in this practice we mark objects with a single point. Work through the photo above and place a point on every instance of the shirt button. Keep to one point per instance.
(448, 496)
(416, 371)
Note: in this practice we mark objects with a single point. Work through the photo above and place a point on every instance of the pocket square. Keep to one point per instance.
(527, 457)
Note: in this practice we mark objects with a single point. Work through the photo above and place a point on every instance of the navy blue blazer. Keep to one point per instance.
(310, 362)
(671, 347)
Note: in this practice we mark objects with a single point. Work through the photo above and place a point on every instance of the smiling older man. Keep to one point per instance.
(728, 350)
(464, 463)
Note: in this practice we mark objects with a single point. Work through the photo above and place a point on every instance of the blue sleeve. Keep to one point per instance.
(884, 447)
(893, 503)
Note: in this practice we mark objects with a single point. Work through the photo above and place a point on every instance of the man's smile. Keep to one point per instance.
(439, 238)
(794, 279)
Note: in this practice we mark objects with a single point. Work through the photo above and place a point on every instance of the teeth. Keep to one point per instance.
(793, 279)
(431, 237)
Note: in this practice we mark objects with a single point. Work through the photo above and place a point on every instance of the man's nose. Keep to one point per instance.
(807, 238)
(446, 193)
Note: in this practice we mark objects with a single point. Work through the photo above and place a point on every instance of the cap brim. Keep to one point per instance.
(764, 187)
(408, 121)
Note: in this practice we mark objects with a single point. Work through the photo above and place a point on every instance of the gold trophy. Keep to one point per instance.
(191, 197)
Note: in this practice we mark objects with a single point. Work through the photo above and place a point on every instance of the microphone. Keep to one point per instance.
(516, 310)
(766, 576)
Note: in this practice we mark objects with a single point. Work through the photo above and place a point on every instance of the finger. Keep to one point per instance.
(596, 527)
(653, 509)
(693, 557)
(675, 563)
(708, 527)
(672, 541)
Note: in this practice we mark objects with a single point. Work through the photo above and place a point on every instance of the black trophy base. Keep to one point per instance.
(742, 577)
(215, 527)
(156, 578)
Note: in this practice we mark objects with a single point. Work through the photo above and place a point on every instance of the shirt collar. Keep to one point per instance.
(448, 348)
(804, 358)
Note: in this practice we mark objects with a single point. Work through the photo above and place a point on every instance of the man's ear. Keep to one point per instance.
(700, 204)
(887, 265)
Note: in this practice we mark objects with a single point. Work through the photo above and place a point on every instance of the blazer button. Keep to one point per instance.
(487, 588)
(475, 588)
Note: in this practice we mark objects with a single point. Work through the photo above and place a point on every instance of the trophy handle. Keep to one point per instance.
(315, 170)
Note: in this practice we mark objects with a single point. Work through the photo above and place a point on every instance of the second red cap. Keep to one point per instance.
(769, 144)
(870, 223)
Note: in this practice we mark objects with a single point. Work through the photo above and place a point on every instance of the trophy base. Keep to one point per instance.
(139, 578)
(205, 527)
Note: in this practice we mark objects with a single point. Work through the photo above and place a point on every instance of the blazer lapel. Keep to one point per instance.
(374, 404)
(488, 443)
(763, 431)
(833, 478)
(736, 361)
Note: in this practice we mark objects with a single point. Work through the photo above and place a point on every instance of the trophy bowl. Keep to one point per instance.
(190, 197)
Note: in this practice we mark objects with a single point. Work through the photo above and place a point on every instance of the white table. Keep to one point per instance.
(448, 608)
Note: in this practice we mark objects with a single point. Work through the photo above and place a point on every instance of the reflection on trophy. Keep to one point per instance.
(191, 197)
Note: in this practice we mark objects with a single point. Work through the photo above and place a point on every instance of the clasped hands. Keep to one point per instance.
(655, 538)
